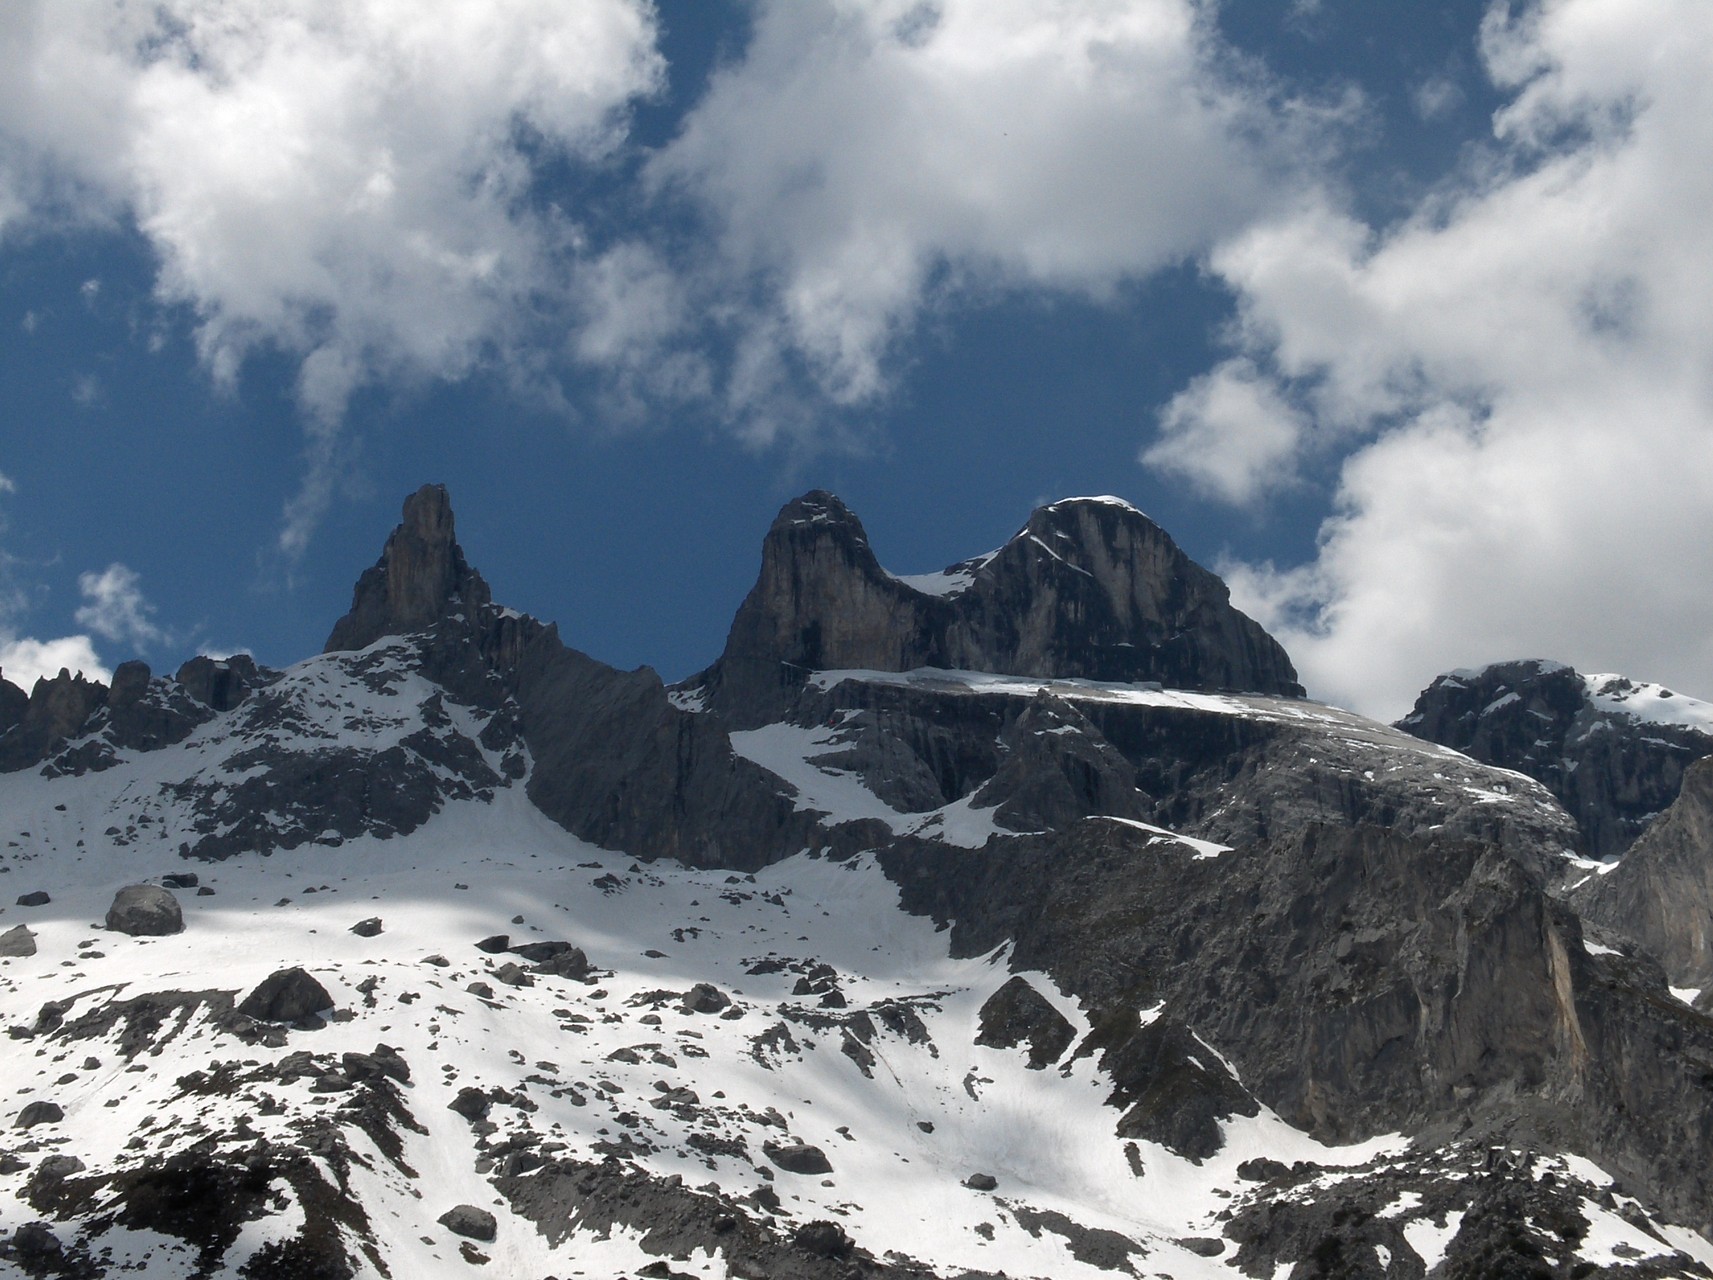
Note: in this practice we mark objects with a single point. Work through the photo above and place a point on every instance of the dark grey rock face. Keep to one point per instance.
(221, 683)
(286, 995)
(420, 579)
(1612, 770)
(145, 911)
(1017, 1014)
(1661, 891)
(56, 712)
(1088, 588)
(1356, 982)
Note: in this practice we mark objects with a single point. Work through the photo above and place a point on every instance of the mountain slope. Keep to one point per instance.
(872, 970)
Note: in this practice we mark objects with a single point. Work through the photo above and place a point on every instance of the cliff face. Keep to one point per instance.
(1090, 588)
(1612, 750)
(1661, 892)
(420, 578)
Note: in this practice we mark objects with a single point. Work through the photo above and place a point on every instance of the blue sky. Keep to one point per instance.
(1398, 315)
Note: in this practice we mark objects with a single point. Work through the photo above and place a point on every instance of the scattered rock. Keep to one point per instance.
(37, 899)
(469, 1221)
(982, 1182)
(495, 944)
(286, 995)
(38, 1112)
(17, 941)
(367, 928)
(180, 880)
(481, 989)
(145, 911)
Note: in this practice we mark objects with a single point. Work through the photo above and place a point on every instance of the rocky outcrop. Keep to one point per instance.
(56, 712)
(420, 579)
(1608, 747)
(222, 683)
(1661, 891)
(1088, 588)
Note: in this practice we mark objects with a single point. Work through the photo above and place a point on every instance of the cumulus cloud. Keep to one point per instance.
(1523, 368)
(349, 181)
(114, 607)
(863, 162)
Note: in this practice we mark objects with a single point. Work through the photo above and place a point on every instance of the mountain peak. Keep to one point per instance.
(421, 577)
(1089, 588)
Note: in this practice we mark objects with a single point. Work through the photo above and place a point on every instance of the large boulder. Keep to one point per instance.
(38, 1112)
(18, 941)
(470, 1222)
(286, 995)
(145, 911)
(798, 1157)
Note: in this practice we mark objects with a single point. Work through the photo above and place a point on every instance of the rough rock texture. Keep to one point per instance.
(18, 941)
(1088, 588)
(1017, 1014)
(57, 711)
(1613, 768)
(420, 578)
(286, 995)
(14, 702)
(469, 1221)
(222, 683)
(1357, 982)
(1661, 891)
(145, 911)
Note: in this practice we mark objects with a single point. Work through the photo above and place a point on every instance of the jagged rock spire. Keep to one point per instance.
(420, 579)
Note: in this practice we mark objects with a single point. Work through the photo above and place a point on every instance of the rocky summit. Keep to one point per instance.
(1024, 919)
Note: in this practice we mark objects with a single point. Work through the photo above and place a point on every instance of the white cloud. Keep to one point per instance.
(866, 160)
(24, 661)
(350, 181)
(114, 607)
(1231, 433)
(1528, 367)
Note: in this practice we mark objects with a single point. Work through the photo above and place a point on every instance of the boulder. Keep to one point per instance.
(286, 995)
(17, 941)
(470, 1222)
(38, 1112)
(798, 1157)
(495, 944)
(145, 911)
(704, 997)
(368, 928)
(181, 880)
(38, 898)
(981, 1182)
